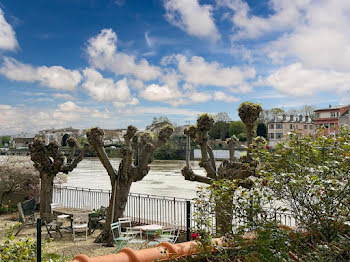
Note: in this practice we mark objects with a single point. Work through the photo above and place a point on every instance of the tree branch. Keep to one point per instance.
(95, 136)
(73, 164)
(191, 176)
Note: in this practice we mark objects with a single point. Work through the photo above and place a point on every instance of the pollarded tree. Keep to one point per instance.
(136, 157)
(49, 161)
(232, 169)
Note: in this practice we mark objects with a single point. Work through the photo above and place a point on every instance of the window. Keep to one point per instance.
(337, 113)
(297, 127)
(272, 126)
(310, 127)
(272, 135)
(290, 126)
(332, 114)
(305, 126)
(279, 135)
(278, 126)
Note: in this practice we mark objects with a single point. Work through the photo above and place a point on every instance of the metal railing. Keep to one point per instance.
(146, 209)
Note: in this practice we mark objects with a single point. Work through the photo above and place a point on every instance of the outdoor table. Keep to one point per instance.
(149, 227)
(71, 211)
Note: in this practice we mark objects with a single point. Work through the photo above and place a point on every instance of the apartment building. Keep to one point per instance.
(279, 127)
(332, 118)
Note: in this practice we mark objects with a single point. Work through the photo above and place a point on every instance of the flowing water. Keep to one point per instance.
(164, 178)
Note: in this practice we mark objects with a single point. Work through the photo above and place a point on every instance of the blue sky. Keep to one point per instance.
(112, 63)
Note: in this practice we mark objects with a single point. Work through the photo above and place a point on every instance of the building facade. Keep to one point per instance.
(279, 127)
(21, 142)
(59, 135)
(331, 118)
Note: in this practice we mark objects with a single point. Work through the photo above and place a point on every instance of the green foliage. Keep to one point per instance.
(242, 137)
(261, 130)
(236, 128)
(311, 176)
(165, 152)
(7, 209)
(13, 249)
(5, 140)
(308, 177)
(219, 130)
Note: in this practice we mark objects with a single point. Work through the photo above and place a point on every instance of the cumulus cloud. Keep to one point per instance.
(102, 53)
(159, 93)
(221, 96)
(296, 80)
(16, 119)
(193, 18)
(8, 39)
(310, 31)
(285, 15)
(54, 77)
(63, 96)
(197, 71)
(105, 89)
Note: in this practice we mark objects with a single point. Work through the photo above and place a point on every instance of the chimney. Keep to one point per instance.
(291, 117)
(306, 118)
(300, 118)
(284, 117)
(330, 106)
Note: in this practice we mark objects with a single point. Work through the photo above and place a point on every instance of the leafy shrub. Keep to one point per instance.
(22, 249)
(7, 209)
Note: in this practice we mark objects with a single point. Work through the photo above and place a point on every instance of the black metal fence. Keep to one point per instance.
(146, 209)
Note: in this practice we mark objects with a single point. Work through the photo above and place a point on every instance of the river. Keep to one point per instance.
(163, 179)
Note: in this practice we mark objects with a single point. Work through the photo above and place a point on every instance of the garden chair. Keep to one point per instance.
(52, 225)
(60, 218)
(151, 235)
(80, 225)
(129, 229)
(118, 237)
(169, 235)
(26, 214)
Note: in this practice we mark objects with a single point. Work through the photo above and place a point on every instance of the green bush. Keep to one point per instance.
(7, 209)
(14, 249)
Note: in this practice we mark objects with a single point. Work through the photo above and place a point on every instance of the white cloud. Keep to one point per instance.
(197, 71)
(8, 39)
(296, 80)
(312, 32)
(190, 16)
(221, 96)
(168, 111)
(103, 54)
(286, 15)
(63, 96)
(200, 97)
(54, 77)
(159, 93)
(105, 89)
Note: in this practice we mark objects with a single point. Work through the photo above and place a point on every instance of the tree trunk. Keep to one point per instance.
(46, 192)
(120, 201)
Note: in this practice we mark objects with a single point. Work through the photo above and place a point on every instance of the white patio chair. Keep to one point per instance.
(169, 235)
(60, 218)
(80, 225)
(129, 230)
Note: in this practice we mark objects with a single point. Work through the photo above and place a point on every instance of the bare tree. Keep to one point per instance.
(137, 153)
(228, 169)
(49, 161)
(17, 174)
(222, 117)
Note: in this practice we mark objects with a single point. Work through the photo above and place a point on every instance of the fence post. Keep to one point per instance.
(38, 240)
(188, 220)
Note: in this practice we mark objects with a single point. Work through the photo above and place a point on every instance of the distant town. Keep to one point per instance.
(276, 122)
